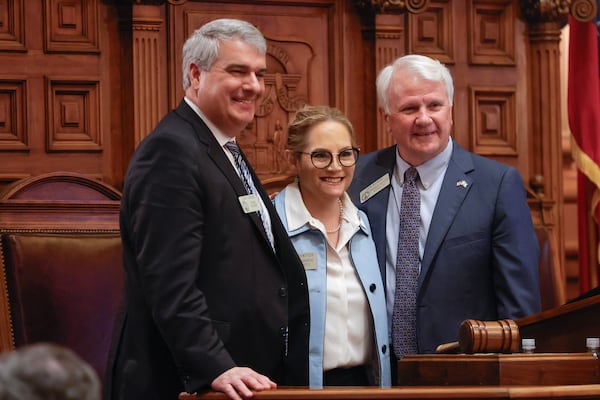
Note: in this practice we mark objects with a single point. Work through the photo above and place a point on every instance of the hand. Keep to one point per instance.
(238, 382)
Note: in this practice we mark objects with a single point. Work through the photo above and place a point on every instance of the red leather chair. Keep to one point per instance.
(61, 274)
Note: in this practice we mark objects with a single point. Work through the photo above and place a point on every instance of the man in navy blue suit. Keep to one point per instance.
(478, 253)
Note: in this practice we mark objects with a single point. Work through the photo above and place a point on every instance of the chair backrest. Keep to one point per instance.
(552, 284)
(550, 267)
(61, 275)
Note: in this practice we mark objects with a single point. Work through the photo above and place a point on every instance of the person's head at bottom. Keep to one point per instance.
(46, 371)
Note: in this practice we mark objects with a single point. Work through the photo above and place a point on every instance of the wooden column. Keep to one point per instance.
(545, 20)
(143, 77)
(149, 56)
(545, 129)
(389, 44)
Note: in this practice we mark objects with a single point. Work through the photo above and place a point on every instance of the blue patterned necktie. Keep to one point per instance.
(404, 337)
(249, 185)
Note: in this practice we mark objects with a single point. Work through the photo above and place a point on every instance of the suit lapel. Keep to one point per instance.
(376, 206)
(215, 152)
(455, 187)
(213, 149)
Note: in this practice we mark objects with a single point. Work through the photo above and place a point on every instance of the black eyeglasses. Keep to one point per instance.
(323, 158)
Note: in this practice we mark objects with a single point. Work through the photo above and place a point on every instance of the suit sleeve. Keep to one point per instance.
(166, 229)
(515, 251)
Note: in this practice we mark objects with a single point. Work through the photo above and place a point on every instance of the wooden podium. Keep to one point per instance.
(560, 357)
(563, 329)
(560, 368)
(564, 392)
(499, 369)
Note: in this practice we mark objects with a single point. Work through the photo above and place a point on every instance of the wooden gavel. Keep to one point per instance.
(476, 336)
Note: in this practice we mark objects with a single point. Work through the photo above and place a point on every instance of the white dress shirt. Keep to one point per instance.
(348, 338)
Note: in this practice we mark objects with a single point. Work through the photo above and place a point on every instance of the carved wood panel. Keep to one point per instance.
(491, 32)
(70, 26)
(12, 26)
(74, 114)
(13, 114)
(432, 32)
(493, 121)
(59, 88)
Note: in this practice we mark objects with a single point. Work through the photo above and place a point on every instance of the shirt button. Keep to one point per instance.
(282, 292)
(372, 287)
(383, 349)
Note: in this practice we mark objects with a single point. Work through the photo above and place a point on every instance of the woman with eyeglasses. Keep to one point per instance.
(348, 344)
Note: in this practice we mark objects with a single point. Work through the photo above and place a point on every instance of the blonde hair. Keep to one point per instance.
(309, 116)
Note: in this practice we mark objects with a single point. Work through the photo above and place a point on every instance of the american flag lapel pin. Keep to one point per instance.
(462, 183)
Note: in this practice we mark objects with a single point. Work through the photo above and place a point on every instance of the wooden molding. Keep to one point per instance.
(13, 114)
(73, 114)
(383, 6)
(538, 11)
(431, 32)
(492, 36)
(12, 26)
(71, 26)
(493, 120)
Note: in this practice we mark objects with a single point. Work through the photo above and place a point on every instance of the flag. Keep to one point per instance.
(583, 103)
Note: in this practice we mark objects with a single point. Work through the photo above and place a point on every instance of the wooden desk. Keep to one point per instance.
(563, 329)
(560, 330)
(570, 392)
(548, 369)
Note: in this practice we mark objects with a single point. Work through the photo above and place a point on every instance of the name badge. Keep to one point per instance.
(309, 260)
(374, 188)
(250, 203)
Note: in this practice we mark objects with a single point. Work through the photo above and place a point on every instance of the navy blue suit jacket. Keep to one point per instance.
(481, 256)
(204, 289)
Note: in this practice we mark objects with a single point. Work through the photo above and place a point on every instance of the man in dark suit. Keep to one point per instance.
(215, 294)
(477, 250)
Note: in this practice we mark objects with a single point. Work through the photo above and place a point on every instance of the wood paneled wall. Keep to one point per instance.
(83, 81)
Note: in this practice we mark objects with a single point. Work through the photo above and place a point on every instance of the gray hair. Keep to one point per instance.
(46, 371)
(416, 65)
(202, 47)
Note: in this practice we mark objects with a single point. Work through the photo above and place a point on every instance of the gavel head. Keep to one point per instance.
(500, 336)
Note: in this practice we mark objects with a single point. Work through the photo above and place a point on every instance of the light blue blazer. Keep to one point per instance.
(364, 258)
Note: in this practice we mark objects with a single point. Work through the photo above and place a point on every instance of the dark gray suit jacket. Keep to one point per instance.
(481, 256)
(204, 290)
